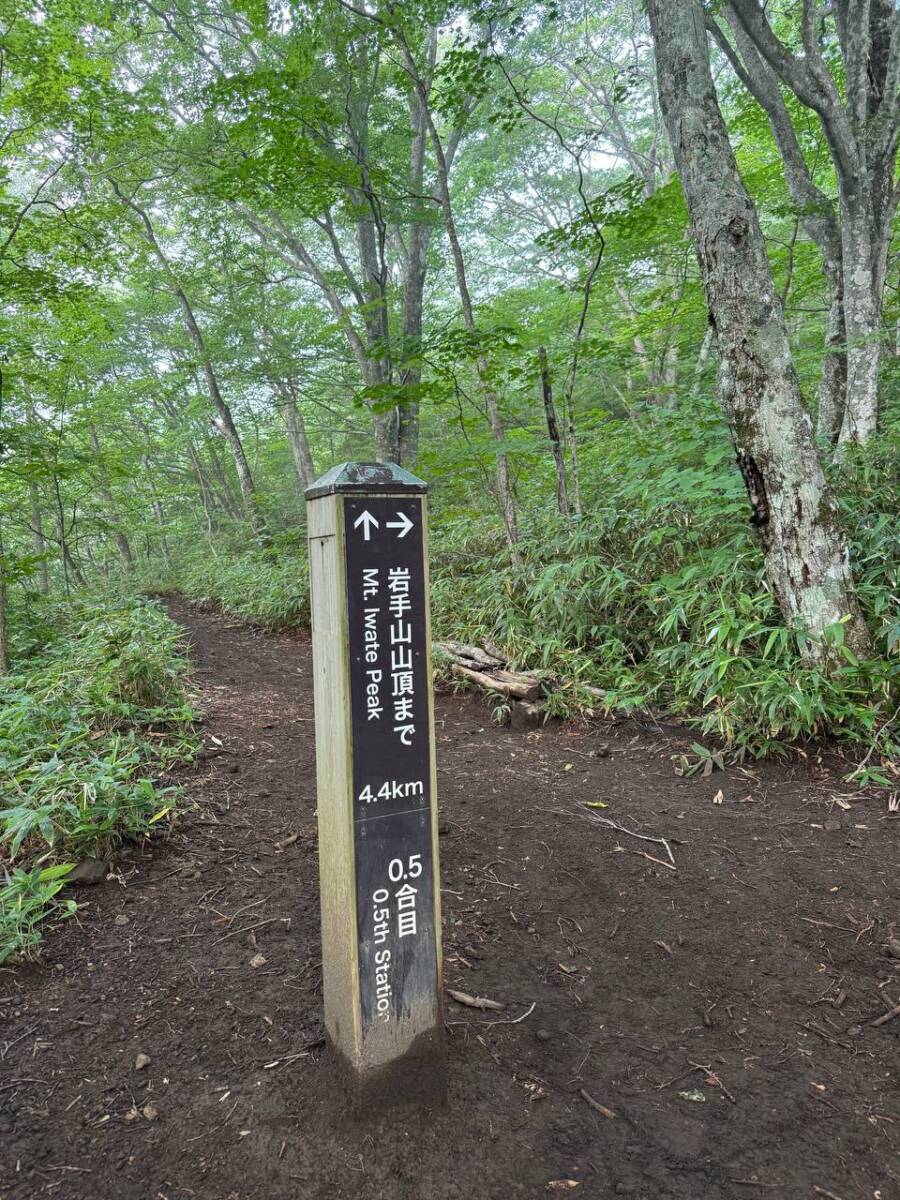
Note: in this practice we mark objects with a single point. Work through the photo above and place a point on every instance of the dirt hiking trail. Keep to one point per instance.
(702, 1033)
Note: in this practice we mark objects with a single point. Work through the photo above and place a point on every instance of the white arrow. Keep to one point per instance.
(368, 523)
(404, 524)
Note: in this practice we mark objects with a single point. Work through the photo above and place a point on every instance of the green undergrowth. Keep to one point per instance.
(90, 723)
(268, 588)
(657, 595)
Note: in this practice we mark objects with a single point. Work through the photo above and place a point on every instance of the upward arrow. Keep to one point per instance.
(368, 523)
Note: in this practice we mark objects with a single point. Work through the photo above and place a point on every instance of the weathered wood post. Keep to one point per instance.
(377, 811)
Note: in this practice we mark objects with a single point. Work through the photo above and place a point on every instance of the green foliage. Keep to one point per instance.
(269, 589)
(27, 898)
(88, 728)
(659, 597)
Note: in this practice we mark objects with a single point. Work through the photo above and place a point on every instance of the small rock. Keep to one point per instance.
(121, 919)
(142, 1062)
(91, 870)
(854, 1031)
(832, 824)
(258, 961)
(543, 1035)
(892, 947)
(601, 752)
(149, 1112)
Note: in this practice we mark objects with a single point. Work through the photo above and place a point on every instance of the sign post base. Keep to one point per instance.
(417, 1078)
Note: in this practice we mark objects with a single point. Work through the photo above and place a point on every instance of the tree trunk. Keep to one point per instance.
(655, 393)
(411, 373)
(124, 548)
(833, 384)
(562, 490)
(38, 542)
(227, 426)
(71, 569)
(857, 100)
(160, 519)
(386, 430)
(816, 211)
(112, 516)
(862, 315)
(415, 270)
(504, 488)
(296, 433)
(794, 511)
(227, 501)
(706, 348)
(225, 419)
(371, 235)
(4, 626)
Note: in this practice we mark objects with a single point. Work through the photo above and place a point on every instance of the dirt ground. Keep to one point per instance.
(702, 1033)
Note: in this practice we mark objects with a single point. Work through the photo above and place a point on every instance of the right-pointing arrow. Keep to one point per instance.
(368, 523)
(404, 524)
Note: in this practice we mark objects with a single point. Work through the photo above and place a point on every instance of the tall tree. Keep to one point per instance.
(224, 415)
(848, 74)
(794, 511)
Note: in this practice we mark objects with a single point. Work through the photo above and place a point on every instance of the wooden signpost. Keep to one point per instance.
(377, 813)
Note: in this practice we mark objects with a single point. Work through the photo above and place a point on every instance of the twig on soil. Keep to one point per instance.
(247, 929)
(291, 1058)
(659, 862)
(826, 1037)
(595, 1105)
(828, 925)
(7, 1046)
(253, 904)
(820, 1191)
(753, 1183)
(621, 829)
(515, 1020)
(888, 1016)
(473, 1001)
(713, 1079)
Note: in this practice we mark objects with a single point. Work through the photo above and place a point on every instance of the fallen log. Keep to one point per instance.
(486, 668)
(468, 656)
(522, 686)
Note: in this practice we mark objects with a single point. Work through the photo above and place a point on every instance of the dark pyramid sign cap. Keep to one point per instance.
(356, 477)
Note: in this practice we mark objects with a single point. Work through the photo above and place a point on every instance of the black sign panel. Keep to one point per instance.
(389, 692)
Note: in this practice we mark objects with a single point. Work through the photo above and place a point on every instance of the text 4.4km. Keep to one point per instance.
(392, 789)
